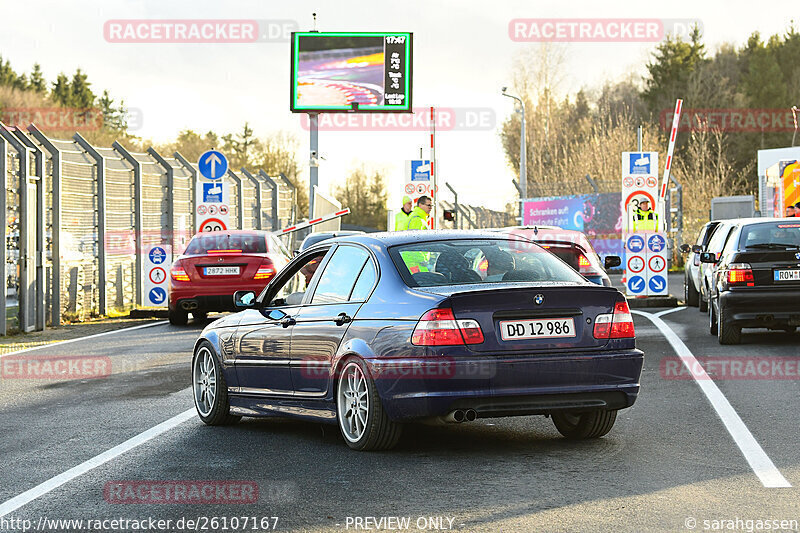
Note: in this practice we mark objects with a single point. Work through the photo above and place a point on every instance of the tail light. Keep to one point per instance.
(618, 325)
(740, 274)
(178, 273)
(439, 327)
(265, 271)
(585, 266)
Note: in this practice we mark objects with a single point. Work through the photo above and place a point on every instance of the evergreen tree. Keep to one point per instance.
(669, 72)
(81, 95)
(7, 74)
(37, 82)
(62, 92)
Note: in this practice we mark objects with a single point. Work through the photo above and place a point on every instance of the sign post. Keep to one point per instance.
(212, 193)
(157, 261)
(419, 182)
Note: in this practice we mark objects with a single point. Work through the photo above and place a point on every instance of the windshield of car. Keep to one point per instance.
(458, 262)
(771, 235)
(218, 241)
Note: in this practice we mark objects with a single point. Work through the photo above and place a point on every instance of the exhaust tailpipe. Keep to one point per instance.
(455, 417)
(188, 305)
(470, 415)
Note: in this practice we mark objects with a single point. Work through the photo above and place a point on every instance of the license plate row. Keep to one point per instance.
(787, 275)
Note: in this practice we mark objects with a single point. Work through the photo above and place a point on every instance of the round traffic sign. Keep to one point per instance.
(635, 243)
(202, 209)
(157, 255)
(212, 210)
(657, 263)
(422, 188)
(640, 181)
(656, 243)
(410, 188)
(212, 224)
(157, 295)
(158, 275)
(212, 165)
(223, 209)
(628, 182)
(636, 284)
(657, 284)
(651, 181)
(635, 263)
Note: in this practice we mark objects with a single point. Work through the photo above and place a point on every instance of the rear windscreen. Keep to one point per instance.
(217, 241)
(458, 262)
(771, 235)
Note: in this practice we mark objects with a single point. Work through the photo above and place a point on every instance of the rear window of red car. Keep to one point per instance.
(222, 242)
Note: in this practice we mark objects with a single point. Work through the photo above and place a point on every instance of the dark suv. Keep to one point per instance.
(755, 280)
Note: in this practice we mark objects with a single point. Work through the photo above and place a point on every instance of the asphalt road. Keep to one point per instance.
(670, 463)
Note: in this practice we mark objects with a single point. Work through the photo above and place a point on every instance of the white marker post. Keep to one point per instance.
(662, 195)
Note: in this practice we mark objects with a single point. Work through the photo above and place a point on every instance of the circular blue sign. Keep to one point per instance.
(636, 284)
(658, 284)
(157, 255)
(635, 243)
(157, 295)
(656, 243)
(212, 165)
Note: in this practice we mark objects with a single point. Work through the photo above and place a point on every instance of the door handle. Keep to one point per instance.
(288, 321)
(342, 319)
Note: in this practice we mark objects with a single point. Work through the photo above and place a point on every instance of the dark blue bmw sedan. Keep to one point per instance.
(371, 331)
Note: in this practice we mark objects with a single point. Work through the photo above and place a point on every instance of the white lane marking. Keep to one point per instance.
(122, 330)
(759, 461)
(668, 311)
(53, 483)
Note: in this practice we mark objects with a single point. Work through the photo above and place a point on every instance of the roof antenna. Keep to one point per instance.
(315, 21)
(536, 230)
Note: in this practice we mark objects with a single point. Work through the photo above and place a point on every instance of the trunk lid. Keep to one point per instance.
(768, 263)
(247, 264)
(500, 307)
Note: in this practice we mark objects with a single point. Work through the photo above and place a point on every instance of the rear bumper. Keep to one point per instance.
(503, 386)
(762, 308)
(213, 299)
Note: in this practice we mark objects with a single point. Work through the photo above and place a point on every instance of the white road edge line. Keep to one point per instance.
(668, 311)
(759, 461)
(53, 483)
(121, 330)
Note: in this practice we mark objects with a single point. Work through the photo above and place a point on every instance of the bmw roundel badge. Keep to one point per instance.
(538, 299)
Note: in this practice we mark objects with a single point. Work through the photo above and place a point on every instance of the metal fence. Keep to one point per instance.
(78, 216)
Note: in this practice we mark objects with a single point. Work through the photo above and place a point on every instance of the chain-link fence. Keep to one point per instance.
(79, 216)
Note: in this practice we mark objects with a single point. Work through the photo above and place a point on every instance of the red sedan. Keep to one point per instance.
(217, 264)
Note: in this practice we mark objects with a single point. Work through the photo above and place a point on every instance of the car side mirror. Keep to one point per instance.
(685, 248)
(708, 257)
(244, 299)
(697, 248)
(612, 261)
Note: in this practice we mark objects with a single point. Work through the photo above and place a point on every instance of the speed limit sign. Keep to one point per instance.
(212, 224)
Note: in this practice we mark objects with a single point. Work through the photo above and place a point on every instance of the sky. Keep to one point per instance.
(462, 57)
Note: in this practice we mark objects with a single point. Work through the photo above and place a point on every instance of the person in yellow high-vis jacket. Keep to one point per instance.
(418, 220)
(401, 218)
(419, 216)
(645, 219)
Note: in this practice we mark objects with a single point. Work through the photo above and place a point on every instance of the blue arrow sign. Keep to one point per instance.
(656, 243)
(212, 165)
(157, 255)
(657, 283)
(157, 295)
(636, 284)
(635, 243)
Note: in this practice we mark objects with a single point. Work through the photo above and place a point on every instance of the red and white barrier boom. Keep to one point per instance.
(313, 221)
(668, 166)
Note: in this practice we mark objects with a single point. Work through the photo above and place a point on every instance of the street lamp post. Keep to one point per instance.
(523, 156)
